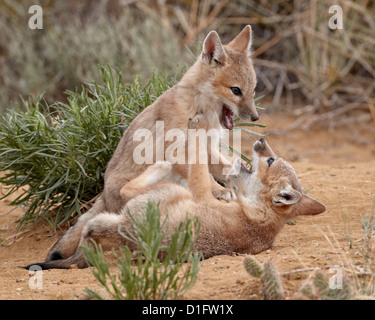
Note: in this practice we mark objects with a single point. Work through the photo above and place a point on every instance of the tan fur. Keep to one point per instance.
(204, 88)
(267, 197)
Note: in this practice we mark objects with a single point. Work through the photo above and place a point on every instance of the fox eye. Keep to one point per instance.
(270, 161)
(236, 91)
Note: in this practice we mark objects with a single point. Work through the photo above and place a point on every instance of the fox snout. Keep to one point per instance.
(254, 117)
(262, 148)
(259, 145)
(248, 111)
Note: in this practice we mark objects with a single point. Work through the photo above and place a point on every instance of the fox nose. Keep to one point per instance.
(261, 145)
(254, 117)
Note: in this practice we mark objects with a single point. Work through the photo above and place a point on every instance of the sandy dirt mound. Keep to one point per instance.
(336, 166)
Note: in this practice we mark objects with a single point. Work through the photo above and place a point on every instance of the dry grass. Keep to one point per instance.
(296, 53)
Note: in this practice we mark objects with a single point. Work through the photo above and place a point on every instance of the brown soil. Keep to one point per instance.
(336, 166)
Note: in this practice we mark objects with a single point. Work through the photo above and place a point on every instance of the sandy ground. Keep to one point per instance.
(336, 166)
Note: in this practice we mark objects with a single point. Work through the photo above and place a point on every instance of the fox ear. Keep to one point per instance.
(305, 204)
(310, 206)
(213, 51)
(287, 197)
(243, 41)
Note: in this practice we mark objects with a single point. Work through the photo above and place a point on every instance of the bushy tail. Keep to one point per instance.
(77, 259)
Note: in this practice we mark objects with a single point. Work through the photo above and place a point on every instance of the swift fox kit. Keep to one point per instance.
(222, 82)
(268, 196)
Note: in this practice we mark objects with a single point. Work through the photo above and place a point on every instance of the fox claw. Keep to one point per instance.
(164, 166)
(198, 122)
(224, 194)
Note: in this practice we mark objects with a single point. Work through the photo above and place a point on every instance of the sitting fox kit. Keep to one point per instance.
(267, 196)
(221, 82)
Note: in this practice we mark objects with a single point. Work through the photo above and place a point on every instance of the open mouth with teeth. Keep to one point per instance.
(245, 168)
(227, 117)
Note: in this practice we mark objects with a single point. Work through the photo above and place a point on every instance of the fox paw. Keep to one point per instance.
(160, 168)
(198, 122)
(163, 165)
(224, 194)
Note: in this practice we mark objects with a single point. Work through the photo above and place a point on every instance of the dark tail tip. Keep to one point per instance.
(46, 266)
(57, 263)
(56, 256)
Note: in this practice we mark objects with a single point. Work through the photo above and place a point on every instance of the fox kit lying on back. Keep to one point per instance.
(222, 82)
(268, 196)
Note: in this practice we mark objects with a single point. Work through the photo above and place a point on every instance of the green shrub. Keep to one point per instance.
(57, 154)
(148, 276)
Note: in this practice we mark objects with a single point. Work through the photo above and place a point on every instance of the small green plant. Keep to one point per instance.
(358, 282)
(57, 154)
(271, 284)
(363, 254)
(319, 289)
(162, 267)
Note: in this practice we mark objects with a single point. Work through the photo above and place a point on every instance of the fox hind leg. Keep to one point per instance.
(103, 229)
(69, 240)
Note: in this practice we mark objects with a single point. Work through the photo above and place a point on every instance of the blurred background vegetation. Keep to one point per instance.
(299, 59)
